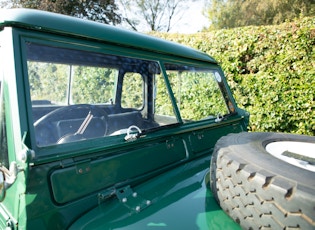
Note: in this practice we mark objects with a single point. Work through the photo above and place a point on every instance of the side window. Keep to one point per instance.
(197, 92)
(4, 161)
(132, 91)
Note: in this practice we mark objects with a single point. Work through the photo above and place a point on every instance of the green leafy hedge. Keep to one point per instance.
(270, 69)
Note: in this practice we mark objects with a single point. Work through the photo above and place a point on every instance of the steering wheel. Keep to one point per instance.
(71, 123)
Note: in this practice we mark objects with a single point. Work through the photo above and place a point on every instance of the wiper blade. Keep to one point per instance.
(224, 117)
(144, 132)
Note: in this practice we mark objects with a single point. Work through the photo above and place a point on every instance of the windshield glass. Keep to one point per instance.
(199, 92)
(78, 95)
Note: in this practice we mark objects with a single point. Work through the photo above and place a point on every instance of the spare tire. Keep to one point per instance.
(259, 190)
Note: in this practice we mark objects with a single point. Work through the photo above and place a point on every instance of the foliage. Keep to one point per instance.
(105, 11)
(157, 15)
(5, 4)
(270, 69)
(197, 94)
(132, 91)
(89, 84)
(45, 88)
(163, 104)
(237, 13)
(93, 84)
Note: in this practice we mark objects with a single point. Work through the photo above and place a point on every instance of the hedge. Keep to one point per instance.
(270, 69)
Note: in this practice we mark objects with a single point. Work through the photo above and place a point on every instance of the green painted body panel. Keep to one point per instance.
(205, 139)
(89, 176)
(157, 180)
(178, 199)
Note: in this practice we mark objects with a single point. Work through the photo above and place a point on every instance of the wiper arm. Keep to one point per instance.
(224, 117)
(144, 132)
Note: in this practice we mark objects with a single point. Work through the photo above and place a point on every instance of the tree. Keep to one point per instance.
(104, 11)
(236, 13)
(154, 15)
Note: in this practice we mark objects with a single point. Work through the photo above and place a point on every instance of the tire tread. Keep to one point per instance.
(255, 197)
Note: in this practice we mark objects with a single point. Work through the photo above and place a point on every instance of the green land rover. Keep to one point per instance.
(103, 128)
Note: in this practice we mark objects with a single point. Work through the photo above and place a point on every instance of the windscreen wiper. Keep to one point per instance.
(144, 132)
(224, 117)
(131, 136)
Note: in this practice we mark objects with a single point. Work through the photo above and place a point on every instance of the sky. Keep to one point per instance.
(193, 20)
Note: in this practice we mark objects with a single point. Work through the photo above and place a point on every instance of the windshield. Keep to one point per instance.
(78, 95)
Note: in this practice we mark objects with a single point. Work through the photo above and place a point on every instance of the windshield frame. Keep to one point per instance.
(46, 153)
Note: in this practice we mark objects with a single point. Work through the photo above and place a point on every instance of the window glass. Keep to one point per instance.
(132, 91)
(92, 84)
(70, 84)
(48, 82)
(197, 92)
(78, 95)
(164, 111)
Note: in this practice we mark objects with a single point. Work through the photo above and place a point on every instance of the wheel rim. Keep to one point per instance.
(300, 154)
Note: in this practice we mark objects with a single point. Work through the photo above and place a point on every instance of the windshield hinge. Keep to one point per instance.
(129, 198)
